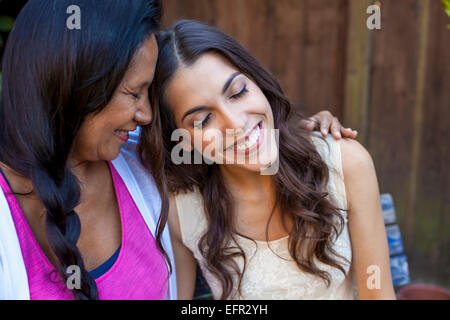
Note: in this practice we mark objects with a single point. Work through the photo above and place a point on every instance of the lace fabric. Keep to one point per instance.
(271, 273)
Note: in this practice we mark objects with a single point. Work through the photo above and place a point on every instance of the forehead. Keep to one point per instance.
(143, 63)
(203, 78)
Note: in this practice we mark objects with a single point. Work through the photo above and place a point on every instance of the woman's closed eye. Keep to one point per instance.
(134, 95)
(199, 125)
(205, 121)
(241, 93)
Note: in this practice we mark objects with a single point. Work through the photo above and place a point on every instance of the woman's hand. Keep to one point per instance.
(326, 122)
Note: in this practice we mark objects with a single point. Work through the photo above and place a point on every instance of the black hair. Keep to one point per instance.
(53, 77)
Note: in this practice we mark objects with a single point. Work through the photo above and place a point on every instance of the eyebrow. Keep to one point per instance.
(224, 89)
(193, 110)
(229, 81)
(140, 86)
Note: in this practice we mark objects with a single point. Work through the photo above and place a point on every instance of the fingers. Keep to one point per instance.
(338, 131)
(309, 124)
(349, 133)
(336, 128)
(332, 124)
(325, 124)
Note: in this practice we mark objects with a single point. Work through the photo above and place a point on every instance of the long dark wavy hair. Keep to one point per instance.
(301, 182)
(53, 78)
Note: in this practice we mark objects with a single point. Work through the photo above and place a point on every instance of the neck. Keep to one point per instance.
(255, 200)
(83, 169)
(248, 185)
(91, 176)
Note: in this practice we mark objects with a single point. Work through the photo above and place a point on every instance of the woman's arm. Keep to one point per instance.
(366, 225)
(185, 265)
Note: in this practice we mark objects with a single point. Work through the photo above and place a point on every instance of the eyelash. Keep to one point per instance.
(204, 122)
(135, 96)
(240, 94)
(236, 96)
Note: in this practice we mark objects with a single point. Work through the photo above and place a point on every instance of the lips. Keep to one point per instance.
(123, 135)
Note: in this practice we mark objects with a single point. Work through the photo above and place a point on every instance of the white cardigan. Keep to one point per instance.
(13, 275)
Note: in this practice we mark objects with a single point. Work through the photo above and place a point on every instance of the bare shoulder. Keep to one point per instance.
(356, 160)
(360, 177)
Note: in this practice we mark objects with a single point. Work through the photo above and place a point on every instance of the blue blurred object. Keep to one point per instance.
(387, 204)
(400, 270)
(394, 240)
(398, 260)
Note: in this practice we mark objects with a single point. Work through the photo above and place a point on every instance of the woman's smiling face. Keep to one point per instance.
(101, 135)
(212, 98)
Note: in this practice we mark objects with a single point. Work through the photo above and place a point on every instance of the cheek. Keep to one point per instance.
(260, 101)
(87, 139)
(209, 143)
(94, 139)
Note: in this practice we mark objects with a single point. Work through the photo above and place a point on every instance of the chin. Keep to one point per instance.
(264, 161)
(109, 156)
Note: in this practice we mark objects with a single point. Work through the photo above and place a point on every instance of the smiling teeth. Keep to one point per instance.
(122, 132)
(251, 140)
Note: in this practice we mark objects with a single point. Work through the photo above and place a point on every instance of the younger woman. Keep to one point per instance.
(301, 232)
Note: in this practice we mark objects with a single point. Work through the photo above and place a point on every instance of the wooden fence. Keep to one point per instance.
(392, 85)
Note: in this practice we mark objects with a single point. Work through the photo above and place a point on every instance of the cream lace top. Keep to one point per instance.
(267, 276)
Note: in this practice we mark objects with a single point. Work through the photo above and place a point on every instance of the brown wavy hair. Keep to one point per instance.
(300, 183)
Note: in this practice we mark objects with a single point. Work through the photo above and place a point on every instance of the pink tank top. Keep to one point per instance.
(139, 273)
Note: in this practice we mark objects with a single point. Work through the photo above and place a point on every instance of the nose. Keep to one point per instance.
(144, 114)
(234, 120)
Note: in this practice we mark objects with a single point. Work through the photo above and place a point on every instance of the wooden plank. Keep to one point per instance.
(358, 61)
(287, 57)
(322, 77)
(391, 105)
(417, 119)
(302, 42)
(432, 194)
(174, 10)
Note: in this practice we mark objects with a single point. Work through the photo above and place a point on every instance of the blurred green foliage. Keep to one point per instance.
(446, 4)
(6, 24)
